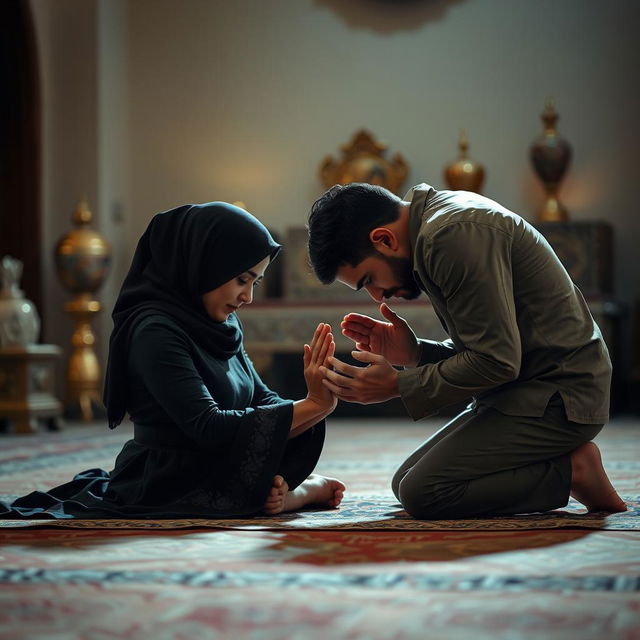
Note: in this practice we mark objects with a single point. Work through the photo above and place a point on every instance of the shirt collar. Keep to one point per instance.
(418, 197)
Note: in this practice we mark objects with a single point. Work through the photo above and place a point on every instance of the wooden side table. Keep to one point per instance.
(27, 377)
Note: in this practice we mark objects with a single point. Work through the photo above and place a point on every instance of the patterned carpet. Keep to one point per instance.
(365, 571)
(374, 512)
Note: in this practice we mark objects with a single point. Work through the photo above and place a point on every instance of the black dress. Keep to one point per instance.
(209, 437)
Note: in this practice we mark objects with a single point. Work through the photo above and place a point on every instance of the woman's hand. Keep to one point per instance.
(320, 401)
(315, 356)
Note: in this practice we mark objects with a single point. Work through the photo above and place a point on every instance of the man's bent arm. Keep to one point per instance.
(471, 265)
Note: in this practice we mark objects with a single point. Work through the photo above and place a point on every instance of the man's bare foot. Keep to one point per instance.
(275, 500)
(589, 482)
(315, 490)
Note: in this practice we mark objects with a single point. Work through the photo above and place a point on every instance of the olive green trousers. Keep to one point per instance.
(485, 462)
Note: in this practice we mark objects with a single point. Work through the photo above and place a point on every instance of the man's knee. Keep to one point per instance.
(417, 499)
(396, 480)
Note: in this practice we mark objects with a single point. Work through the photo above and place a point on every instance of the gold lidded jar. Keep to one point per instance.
(82, 256)
(464, 174)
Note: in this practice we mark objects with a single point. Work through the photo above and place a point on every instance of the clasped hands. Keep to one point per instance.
(376, 382)
(379, 345)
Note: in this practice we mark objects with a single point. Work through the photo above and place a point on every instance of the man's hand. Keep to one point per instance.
(376, 382)
(394, 340)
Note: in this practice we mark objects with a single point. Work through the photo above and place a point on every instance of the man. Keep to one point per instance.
(522, 343)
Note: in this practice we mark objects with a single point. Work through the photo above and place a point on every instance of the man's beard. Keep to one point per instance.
(402, 272)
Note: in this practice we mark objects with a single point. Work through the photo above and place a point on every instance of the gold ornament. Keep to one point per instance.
(82, 259)
(464, 174)
(363, 161)
(551, 155)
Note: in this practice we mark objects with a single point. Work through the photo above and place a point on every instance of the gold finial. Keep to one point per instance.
(82, 215)
(463, 144)
(549, 116)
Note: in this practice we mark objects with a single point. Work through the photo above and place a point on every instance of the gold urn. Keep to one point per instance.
(464, 174)
(551, 155)
(82, 259)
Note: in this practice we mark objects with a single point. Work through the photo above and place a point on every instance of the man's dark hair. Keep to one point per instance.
(340, 222)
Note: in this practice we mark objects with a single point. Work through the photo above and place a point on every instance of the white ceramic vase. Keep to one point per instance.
(19, 320)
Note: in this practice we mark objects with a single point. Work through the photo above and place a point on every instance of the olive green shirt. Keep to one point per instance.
(520, 330)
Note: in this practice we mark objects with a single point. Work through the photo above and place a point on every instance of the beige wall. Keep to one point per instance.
(83, 68)
(66, 37)
(195, 100)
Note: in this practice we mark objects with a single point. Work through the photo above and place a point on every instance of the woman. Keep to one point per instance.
(210, 439)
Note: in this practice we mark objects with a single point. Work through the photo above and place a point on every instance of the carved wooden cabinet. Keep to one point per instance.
(586, 251)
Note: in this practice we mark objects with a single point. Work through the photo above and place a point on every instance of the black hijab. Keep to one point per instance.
(184, 253)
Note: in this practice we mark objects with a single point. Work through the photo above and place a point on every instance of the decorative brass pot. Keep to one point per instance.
(464, 174)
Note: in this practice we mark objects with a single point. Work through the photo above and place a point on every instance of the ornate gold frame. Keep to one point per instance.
(363, 161)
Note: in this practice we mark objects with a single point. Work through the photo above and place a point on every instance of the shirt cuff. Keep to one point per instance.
(412, 394)
(430, 352)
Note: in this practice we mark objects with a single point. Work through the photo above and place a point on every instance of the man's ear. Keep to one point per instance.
(384, 240)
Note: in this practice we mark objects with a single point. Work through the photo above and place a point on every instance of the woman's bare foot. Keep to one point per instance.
(275, 500)
(589, 482)
(315, 490)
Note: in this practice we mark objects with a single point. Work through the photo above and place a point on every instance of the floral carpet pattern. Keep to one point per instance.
(364, 572)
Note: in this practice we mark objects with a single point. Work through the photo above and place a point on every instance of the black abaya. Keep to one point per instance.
(209, 437)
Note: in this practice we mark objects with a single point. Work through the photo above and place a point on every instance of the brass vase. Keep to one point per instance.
(464, 174)
(551, 155)
(82, 259)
